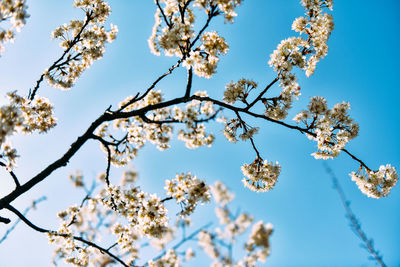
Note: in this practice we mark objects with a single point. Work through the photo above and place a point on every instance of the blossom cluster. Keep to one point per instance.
(156, 126)
(288, 54)
(37, 114)
(74, 219)
(331, 128)
(13, 11)
(301, 53)
(25, 116)
(260, 176)
(233, 226)
(125, 211)
(10, 119)
(137, 131)
(238, 90)
(221, 194)
(195, 134)
(376, 184)
(318, 25)
(231, 127)
(177, 36)
(208, 244)
(174, 37)
(144, 211)
(257, 245)
(187, 190)
(169, 259)
(226, 7)
(205, 58)
(230, 130)
(135, 219)
(83, 42)
(77, 179)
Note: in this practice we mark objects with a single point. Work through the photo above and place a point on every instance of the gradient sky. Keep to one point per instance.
(309, 220)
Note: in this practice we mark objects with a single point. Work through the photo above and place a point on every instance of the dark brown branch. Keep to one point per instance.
(189, 82)
(163, 14)
(251, 138)
(356, 159)
(34, 203)
(12, 174)
(262, 93)
(106, 146)
(4, 220)
(354, 222)
(138, 98)
(42, 230)
(166, 199)
(182, 10)
(212, 14)
(148, 120)
(61, 162)
(110, 116)
(244, 110)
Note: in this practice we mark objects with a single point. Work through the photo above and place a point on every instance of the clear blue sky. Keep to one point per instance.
(310, 225)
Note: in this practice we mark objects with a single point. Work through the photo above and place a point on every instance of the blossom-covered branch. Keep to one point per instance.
(14, 12)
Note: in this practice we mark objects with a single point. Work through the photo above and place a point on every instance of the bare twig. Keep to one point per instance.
(163, 14)
(354, 222)
(34, 203)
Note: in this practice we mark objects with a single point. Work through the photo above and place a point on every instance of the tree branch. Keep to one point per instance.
(138, 98)
(76, 39)
(189, 82)
(12, 174)
(163, 14)
(262, 93)
(34, 203)
(42, 230)
(4, 220)
(182, 241)
(354, 222)
(110, 116)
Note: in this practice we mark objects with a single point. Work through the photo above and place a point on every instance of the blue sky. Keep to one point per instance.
(310, 225)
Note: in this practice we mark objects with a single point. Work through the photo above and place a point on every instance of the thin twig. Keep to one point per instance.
(151, 87)
(354, 222)
(163, 14)
(8, 232)
(262, 93)
(180, 243)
